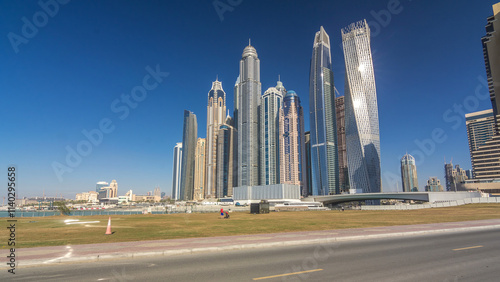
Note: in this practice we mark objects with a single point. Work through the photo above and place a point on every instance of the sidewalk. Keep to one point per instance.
(96, 252)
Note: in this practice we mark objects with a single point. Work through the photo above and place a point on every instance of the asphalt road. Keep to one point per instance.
(466, 256)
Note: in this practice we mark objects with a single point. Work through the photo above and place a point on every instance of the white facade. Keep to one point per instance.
(271, 103)
(267, 192)
(361, 111)
(177, 169)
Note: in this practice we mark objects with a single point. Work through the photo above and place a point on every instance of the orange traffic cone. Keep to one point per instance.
(108, 230)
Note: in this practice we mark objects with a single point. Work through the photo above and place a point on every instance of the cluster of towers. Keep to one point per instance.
(483, 131)
(265, 142)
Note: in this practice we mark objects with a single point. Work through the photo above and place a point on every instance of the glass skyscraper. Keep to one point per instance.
(341, 145)
(248, 93)
(270, 106)
(322, 117)
(409, 174)
(189, 140)
(225, 165)
(361, 111)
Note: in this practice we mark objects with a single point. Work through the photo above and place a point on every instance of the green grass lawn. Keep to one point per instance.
(52, 231)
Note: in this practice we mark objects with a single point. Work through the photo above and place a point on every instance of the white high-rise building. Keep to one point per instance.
(271, 103)
(177, 169)
(361, 111)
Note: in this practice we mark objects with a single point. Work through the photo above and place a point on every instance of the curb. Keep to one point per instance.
(107, 257)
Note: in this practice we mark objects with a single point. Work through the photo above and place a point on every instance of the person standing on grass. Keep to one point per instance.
(221, 212)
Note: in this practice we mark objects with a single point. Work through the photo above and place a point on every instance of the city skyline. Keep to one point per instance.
(70, 97)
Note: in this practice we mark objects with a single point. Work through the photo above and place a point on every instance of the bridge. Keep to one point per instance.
(416, 196)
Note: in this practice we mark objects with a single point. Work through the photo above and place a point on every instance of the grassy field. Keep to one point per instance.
(53, 231)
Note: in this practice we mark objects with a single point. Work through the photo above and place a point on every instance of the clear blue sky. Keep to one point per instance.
(67, 73)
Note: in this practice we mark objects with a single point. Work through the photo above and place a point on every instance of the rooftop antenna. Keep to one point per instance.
(279, 77)
(249, 42)
(217, 78)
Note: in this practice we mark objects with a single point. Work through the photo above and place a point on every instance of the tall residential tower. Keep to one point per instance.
(409, 174)
(361, 111)
(486, 160)
(176, 172)
(341, 145)
(248, 92)
(322, 117)
(225, 159)
(216, 114)
(189, 141)
(292, 143)
(270, 106)
(199, 170)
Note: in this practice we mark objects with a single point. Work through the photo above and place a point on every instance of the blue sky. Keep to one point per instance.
(67, 73)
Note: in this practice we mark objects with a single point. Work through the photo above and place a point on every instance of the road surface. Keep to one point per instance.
(465, 256)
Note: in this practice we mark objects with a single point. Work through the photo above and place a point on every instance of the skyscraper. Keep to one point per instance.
(248, 92)
(448, 176)
(307, 164)
(225, 159)
(409, 174)
(176, 171)
(486, 159)
(324, 162)
(269, 134)
(291, 145)
(480, 128)
(361, 111)
(199, 170)
(189, 140)
(491, 52)
(341, 145)
(216, 111)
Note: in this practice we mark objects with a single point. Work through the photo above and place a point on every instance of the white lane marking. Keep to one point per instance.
(67, 255)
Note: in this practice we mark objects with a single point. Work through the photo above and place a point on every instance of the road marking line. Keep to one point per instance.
(288, 274)
(474, 247)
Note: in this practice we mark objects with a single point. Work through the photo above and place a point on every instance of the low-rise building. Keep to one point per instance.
(89, 197)
(434, 185)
